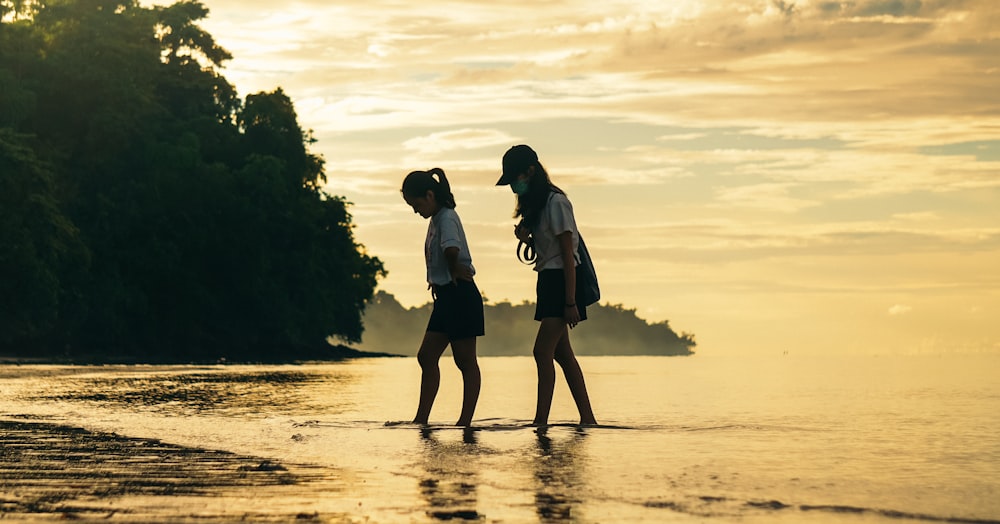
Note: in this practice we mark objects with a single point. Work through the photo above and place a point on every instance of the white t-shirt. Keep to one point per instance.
(557, 217)
(444, 231)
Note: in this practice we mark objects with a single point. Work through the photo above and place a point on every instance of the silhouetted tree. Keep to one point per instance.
(40, 246)
(202, 216)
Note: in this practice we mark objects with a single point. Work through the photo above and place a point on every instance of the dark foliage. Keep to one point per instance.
(146, 211)
(511, 329)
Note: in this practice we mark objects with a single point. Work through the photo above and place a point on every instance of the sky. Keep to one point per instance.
(801, 177)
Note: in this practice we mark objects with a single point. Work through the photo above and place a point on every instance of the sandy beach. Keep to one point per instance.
(50, 471)
(819, 441)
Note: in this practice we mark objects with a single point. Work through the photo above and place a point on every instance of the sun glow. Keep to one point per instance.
(739, 167)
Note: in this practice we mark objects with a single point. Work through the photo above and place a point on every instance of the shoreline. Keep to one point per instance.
(56, 471)
(336, 353)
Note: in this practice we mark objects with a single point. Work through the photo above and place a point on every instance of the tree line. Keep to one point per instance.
(510, 330)
(147, 210)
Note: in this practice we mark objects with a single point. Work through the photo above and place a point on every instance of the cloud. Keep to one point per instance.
(680, 137)
(919, 216)
(709, 240)
(899, 309)
(769, 197)
(458, 139)
(891, 8)
(762, 146)
(722, 62)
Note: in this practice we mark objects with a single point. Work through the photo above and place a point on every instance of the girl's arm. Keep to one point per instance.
(458, 271)
(571, 314)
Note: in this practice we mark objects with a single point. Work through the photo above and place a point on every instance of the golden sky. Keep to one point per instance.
(800, 176)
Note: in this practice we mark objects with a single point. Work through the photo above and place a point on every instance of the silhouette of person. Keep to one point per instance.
(450, 480)
(556, 476)
(547, 223)
(457, 315)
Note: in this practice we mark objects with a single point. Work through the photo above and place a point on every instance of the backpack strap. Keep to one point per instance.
(526, 250)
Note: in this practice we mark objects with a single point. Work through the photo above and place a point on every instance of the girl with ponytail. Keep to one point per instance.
(457, 316)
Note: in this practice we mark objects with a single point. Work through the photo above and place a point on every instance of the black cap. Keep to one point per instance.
(515, 161)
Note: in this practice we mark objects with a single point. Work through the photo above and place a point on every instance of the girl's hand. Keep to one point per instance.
(572, 316)
(522, 233)
(461, 272)
(458, 271)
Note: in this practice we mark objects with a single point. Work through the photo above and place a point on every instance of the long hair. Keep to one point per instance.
(530, 205)
(418, 183)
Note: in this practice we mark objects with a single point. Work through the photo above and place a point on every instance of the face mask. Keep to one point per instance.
(519, 187)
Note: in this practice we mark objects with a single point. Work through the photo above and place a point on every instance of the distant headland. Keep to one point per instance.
(510, 330)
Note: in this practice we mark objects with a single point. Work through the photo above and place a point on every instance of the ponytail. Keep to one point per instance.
(446, 198)
(418, 183)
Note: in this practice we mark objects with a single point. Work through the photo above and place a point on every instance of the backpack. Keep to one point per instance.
(588, 291)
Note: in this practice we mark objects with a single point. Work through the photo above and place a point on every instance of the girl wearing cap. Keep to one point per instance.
(548, 224)
(457, 316)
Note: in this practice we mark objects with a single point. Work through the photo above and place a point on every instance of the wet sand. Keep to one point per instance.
(57, 472)
(904, 441)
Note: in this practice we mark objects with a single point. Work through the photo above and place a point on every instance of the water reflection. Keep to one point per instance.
(558, 476)
(187, 392)
(450, 479)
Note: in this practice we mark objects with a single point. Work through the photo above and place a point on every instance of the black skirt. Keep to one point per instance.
(551, 295)
(458, 311)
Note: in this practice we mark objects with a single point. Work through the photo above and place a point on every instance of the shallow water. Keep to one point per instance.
(695, 439)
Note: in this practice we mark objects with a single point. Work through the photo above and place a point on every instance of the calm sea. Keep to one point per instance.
(683, 439)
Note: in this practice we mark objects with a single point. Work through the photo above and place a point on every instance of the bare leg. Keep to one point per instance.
(574, 377)
(430, 376)
(464, 352)
(550, 332)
